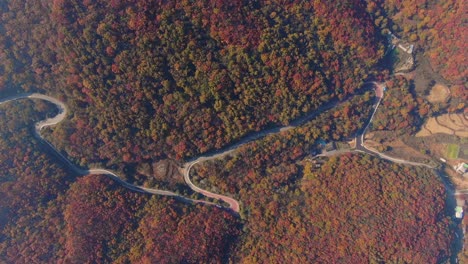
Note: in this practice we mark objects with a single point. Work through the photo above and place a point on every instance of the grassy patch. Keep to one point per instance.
(452, 151)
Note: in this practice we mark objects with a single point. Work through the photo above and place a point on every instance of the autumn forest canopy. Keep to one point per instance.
(214, 70)
(156, 80)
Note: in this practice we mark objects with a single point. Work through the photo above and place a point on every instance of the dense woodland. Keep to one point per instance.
(438, 28)
(295, 209)
(439, 32)
(286, 148)
(353, 209)
(146, 70)
(400, 110)
(167, 80)
(48, 215)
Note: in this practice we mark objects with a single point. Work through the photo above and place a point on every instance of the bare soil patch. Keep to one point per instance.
(395, 147)
(424, 76)
(439, 93)
(400, 149)
(165, 172)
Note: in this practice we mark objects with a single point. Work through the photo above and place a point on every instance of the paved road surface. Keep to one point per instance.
(95, 171)
(360, 143)
(233, 203)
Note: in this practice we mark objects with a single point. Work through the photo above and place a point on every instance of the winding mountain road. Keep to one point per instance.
(185, 170)
(94, 171)
(360, 142)
(233, 203)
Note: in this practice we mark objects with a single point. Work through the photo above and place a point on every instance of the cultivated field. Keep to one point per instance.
(452, 151)
(451, 124)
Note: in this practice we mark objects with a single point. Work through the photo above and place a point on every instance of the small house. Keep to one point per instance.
(459, 212)
(461, 168)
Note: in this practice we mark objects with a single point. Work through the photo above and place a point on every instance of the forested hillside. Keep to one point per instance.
(47, 215)
(348, 208)
(289, 207)
(437, 27)
(401, 111)
(353, 209)
(181, 78)
(150, 84)
(31, 183)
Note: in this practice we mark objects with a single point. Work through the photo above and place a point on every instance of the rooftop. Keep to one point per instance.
(458, 212)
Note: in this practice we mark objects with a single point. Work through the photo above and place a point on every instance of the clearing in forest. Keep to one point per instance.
(439, 93)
